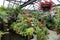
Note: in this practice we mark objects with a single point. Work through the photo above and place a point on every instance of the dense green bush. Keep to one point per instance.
(27, 24)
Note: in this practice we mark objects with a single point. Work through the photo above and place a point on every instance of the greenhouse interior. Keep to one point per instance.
(29, 19)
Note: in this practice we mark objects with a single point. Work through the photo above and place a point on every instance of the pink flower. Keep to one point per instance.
(25, 12)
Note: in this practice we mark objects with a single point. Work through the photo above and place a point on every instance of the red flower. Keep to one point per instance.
(46, 5)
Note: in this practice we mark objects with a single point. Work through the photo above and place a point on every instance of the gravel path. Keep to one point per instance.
(52, 36)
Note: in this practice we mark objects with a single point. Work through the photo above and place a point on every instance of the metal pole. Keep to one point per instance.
(3, 2)
(27, 3)
(33, 6)
(9, 4)
(58, 1)
(13, 3)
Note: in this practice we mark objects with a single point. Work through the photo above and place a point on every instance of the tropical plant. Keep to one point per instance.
(22, 24)
(57, 20)
(41, 34)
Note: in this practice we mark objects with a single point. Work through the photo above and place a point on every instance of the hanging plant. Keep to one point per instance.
(46, 5)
